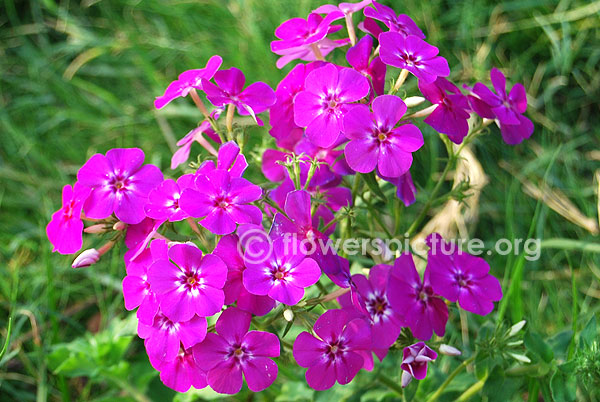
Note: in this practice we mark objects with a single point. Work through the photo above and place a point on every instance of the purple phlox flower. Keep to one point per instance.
(229, 250)
(163, 201)
(326, 99)
(346, 8)
(451, 115)
(374, 142)
(336, 354)
(65, 230)
(332, 159)
(414, 362)
(300, 221)
(229, 159)
(137, 291)
(506, 107)
(223, 201)
(255, 99)
(138, 237)
(196, 135)
(187, 81)
(461, 277)
(282, 272)
(405, 188)
(400, 23)
(164, 337)
(193, 286)
(183, 372)
(386, 322)
(413, 54)
(358, 57)
(119, 184)
(424, 311)
(271, 167)
(233, 351)
(306, 52)
(370, 26)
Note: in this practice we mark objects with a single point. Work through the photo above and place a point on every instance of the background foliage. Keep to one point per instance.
(79, 77)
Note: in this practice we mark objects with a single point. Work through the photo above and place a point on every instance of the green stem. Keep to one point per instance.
(472, 390)
(449, 379)
(391, 384)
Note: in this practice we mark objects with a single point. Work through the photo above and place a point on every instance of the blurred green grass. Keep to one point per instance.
(80, 77)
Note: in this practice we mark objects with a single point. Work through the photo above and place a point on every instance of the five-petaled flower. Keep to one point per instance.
(65, 228)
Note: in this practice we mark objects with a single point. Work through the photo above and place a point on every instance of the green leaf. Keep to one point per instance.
(589, 334)
(500, 388)
(535, 344)
(371, 181)
(563, 384)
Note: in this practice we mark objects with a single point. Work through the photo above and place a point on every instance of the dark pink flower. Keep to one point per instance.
(324, 102)
(229, 159)
(65, 230)
(193, 286)
(400, 23)
(414, 362)
(183, 372)
(346, 8)
(255, 99)
(358, 57)
(413, 54)
(451, 115)
(405, 188)
(336, 353)
(233, 351)
(138, 237)
(229, 250)
(187, 81)
(223, 201)
(282, 272)
(163, 201)
(424, 312)
(196, 135)
(374, 140)
(164, 337)
(461, 277)
(119, 184)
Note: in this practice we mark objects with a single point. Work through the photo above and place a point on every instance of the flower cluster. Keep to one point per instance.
(209, 252)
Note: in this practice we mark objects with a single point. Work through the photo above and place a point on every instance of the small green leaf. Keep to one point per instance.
(535, 344)
(589, 334)
(373, 185)
(563, 386)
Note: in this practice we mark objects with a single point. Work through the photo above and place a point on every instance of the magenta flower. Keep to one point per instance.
(461, 277)
(358, 57)
(229, 159)
(451, 115)
(414, 362)
(400, 23)
(282, 272)
(187, 81)
(138, 237)
(405, 188)
(508, 108)
(119, 184)
(253, 100)
(164, 337)
(137, 291)
(229, 250)
(222, 200)
(324, 102)
(374, 142)
(336, 355)
(193, 286)
(346, 8)
(233, 351)
(183, 372)
(424, 312)
(65, 230)
(413, 54)
(196, 135)
(163, 201)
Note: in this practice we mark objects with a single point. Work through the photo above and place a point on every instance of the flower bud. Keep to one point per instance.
(119, 226)
(413, 101)
(516, 328)
(288, 315)
(515, 343)
(86, 258)
(406, 378)
(521, 358)
(449, 350)
(97, 228)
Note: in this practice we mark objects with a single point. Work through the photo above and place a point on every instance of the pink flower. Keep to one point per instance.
(413, 54)
(346, 8)
(424, 312)
(414, 362)
(196, 135)
(223, 201)
(163, 201)
(255, 99)
(451, 115)
(187, 81)
(233, 351)
(374, 140)
(183, 372)
(406, 190)
(336, 355)
(193, 286)
(119, 184)
(358, 57)
(400, 23)
(461, 277)
(65, 229)
(282, 272)
(324, 102)
(229, 159)
(164, 337)
(138, 237)
(229, 250)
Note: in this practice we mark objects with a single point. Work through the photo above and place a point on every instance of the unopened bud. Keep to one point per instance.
(515, 343)
(516, 328)
(449, 350)
(406, 378)
(87, 258)
(119, 226)
(413, 101)
(97, 228)
(288, 315)
(521, 358)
